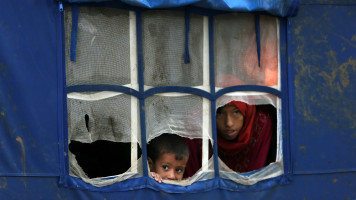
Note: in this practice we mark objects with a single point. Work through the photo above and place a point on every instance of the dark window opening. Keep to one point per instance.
(268, 112)
(103, 158)
(245, 155)
(273, 146)
(195, 155)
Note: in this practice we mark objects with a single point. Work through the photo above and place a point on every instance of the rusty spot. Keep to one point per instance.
(297, 30)
(353, 38)
(304, 149)
(335, 180)
(19, 139)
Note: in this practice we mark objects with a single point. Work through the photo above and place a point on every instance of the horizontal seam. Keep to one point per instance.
(323, 172)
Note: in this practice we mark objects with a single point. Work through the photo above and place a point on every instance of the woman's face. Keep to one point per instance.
(229, 122)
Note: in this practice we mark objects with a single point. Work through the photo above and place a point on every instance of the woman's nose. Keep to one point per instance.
(228, 121)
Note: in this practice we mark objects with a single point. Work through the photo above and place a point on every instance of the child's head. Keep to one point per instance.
(167, 156)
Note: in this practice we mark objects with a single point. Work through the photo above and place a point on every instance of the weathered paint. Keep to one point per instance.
(324, 64)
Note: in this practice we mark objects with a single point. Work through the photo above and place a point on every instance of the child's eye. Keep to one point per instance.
(165, 167)
(179, 170)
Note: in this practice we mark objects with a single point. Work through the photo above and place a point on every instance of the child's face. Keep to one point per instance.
(168, 167)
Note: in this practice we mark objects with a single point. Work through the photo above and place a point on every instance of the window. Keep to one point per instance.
(134, 74)
(103, 125)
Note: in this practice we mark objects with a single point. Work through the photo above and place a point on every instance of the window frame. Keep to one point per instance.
(146, 182)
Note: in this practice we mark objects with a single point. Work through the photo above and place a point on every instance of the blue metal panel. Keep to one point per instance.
(329, 186)
(322, 53)
(28, 89)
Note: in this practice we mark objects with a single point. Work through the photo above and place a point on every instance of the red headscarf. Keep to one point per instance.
(249, 152)
(243, 138)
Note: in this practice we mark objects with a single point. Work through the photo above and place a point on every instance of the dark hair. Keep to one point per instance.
(167, 143)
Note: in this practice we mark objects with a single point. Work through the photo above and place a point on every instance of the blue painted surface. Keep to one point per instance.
(28, 88)
(323, 44)
(321, 54)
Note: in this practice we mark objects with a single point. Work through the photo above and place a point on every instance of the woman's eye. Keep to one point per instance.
(236, 112)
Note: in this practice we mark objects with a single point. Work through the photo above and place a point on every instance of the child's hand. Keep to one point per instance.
(157, 177)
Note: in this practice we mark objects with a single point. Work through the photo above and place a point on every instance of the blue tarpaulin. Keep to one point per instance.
(319, 52)
(282, 8)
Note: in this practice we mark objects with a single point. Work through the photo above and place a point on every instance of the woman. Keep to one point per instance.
(244, 134)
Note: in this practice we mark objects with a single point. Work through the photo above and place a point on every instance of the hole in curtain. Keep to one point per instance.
(188, 116)
(87, 122)
(256, 143)
(103, 158)
(194, 163)
(239, 162)
(171, 152)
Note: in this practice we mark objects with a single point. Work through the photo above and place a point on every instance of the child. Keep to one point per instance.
(167, 157)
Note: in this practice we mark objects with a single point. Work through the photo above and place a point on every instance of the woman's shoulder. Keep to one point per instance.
(265, 113)
(266, 118)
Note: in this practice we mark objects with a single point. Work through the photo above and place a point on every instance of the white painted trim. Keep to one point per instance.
(206, 114)
(134, 84)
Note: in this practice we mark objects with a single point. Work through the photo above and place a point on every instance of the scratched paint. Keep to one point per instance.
(23, 157)
(325, 66)
(322, 61)
(303, 149)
